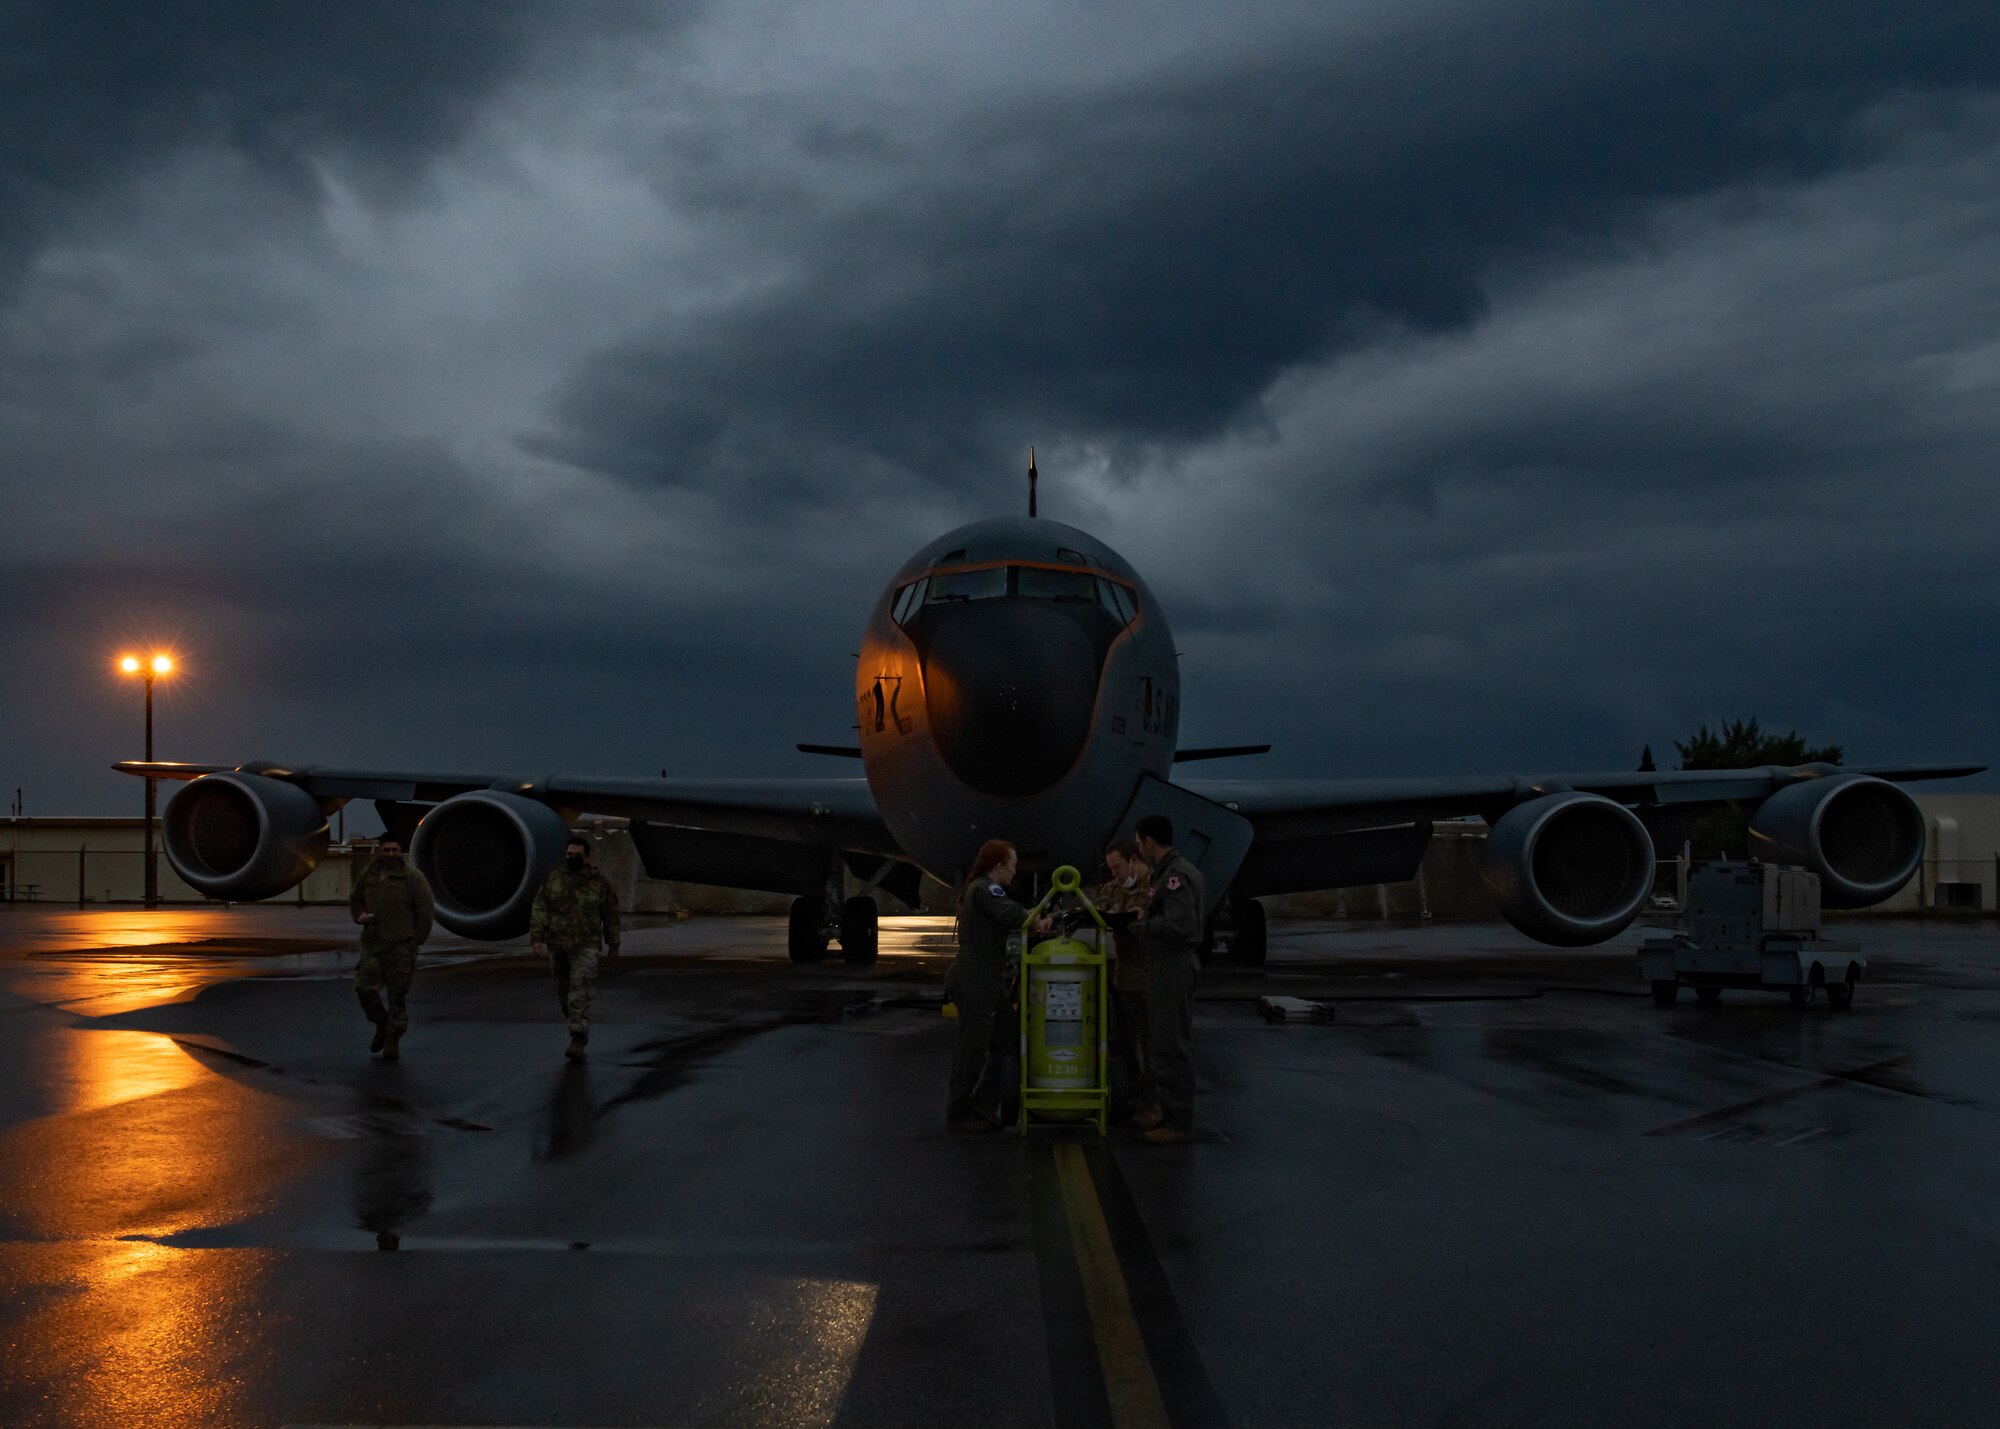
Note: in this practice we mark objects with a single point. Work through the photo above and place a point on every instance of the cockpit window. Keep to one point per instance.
(943, 586)
(986, 584)
(1038, 584)
(907, 600)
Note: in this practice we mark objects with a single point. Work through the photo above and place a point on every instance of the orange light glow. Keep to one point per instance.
(163, 664)
(130, 664)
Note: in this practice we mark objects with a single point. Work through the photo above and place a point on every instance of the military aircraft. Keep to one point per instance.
(1017, 679)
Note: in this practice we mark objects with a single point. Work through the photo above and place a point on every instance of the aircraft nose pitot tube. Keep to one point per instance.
(1863, 836)
(243, 837)
(1569, 869)
(486, 854)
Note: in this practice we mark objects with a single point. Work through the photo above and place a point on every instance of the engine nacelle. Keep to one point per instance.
(243, 837)
(486, 854)
(1863, 836)
(1569, 869)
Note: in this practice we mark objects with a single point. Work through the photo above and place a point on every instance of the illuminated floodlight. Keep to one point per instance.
(163, 664)
(130, 664)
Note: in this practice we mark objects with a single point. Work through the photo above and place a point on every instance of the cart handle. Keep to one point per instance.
(1065, 880)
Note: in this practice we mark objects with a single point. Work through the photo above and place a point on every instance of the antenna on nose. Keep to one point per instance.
(1032, 476)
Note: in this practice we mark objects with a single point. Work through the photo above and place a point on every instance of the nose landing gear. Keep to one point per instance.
(859, 930)
(814, 922)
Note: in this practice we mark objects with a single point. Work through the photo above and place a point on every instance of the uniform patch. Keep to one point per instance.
(1173, 882)
(996, 890)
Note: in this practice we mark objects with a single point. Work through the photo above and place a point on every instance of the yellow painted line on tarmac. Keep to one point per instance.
(1129, 1383)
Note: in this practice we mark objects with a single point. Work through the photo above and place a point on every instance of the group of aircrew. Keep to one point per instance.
(574, 926)
(1156, 953)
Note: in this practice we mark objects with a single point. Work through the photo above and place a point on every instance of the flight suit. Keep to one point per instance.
(1171, 930)
(399, 898)
(1128, 981)
(977, 984)
(573, 913)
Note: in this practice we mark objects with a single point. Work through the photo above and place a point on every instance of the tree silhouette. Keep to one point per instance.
(1741, 744)
(1646, 764)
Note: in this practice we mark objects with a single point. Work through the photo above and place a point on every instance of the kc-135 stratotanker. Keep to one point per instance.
(1018, 680)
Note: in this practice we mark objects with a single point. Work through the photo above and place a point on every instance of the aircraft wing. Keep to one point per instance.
(1306, 808)
(830, 813)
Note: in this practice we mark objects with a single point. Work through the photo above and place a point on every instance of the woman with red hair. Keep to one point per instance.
(977, 983)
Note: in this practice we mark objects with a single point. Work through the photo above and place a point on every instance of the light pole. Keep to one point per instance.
(149, 671)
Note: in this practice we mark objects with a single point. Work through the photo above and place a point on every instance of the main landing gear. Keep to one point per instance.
(805, 935)
(1250, 944)
(1237, 936)
(814, 923)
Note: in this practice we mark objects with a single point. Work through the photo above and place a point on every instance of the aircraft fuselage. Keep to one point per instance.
(1016, 680)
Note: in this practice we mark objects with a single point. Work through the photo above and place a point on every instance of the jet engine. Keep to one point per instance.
(1863, 836)
(485, 854)
(243, 837)
(1569, 869)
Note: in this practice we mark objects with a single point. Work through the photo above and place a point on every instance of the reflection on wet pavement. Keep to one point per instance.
(127, 1332)
(392, 1184)
(97, 1067)
(572, 1116)
(741, 1208)
(804, 1385)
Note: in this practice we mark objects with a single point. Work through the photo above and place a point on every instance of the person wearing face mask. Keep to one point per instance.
(392, 903)
(1127, 893)
(575, 911)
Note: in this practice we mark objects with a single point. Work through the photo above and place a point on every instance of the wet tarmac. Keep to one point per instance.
(1502, 1189)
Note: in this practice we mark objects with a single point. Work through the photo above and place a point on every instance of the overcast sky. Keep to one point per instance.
(1480, 386)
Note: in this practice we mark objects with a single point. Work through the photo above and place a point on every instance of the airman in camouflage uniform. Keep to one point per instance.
(976, 984)
(1129, 890)
(576, 910)
(392, 903)
(1170, 930)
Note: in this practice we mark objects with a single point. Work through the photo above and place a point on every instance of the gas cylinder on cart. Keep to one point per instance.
(1063, 1015)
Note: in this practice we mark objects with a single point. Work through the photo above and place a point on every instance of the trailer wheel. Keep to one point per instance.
(1665, 991)
(1840, 995)
(1708, 996)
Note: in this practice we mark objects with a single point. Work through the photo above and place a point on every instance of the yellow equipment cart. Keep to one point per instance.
(1066, 1018)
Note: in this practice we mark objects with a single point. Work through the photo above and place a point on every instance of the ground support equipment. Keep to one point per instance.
(1752, 925)
(1066, 1019)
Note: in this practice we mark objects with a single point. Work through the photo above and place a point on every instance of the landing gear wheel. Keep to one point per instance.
(1800, 995)
(1840, 995)
(1250, 943)
(1664, 992)
(1708, 996)
(805, 935)
(859, 930)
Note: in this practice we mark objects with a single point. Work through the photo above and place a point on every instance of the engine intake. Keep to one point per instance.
(486, 854)
(1863, 836)
(243, 837)
(1569, 869)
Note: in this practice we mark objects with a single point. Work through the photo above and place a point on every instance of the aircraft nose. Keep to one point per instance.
(1009, 687)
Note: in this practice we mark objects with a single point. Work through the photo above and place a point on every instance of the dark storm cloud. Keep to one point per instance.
(1137, 264)
(1478, 386)
(93, 91)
